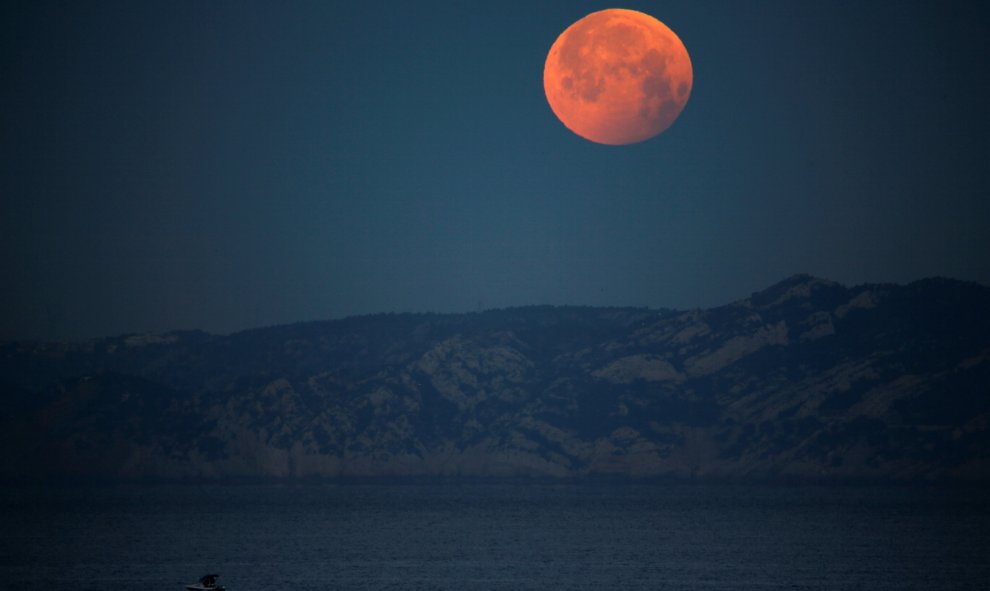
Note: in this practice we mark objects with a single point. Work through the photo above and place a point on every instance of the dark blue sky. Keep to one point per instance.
(225, 165)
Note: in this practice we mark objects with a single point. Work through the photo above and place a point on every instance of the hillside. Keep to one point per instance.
(806, 380)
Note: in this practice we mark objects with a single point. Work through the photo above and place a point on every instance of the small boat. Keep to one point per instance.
(206, 583)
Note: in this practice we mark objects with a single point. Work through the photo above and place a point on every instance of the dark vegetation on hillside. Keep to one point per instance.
(807, 379)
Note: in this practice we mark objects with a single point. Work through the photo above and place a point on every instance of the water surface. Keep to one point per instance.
(495, 537)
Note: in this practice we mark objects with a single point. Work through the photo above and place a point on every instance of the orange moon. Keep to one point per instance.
(617, 77)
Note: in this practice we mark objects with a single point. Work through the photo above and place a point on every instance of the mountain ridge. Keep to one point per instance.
(804, 380)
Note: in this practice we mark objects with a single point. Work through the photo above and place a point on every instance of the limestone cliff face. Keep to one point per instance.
(807, 379)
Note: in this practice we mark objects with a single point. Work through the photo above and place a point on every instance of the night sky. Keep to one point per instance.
(224, 166)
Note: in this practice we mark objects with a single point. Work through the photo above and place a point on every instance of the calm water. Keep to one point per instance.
(495, 537)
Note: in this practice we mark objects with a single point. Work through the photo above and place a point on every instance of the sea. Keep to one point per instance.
(494, 536)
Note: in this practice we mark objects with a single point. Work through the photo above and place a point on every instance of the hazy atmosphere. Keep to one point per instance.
(227, 165)
(494, 295)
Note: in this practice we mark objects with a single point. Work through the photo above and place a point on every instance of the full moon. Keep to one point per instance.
(617, 77)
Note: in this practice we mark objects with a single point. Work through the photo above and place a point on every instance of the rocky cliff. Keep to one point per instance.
(807, 379)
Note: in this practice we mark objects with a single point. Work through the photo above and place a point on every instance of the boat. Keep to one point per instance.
(206, 583)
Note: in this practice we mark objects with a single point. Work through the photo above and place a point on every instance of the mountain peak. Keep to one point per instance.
(808, 380)
(801, 285)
